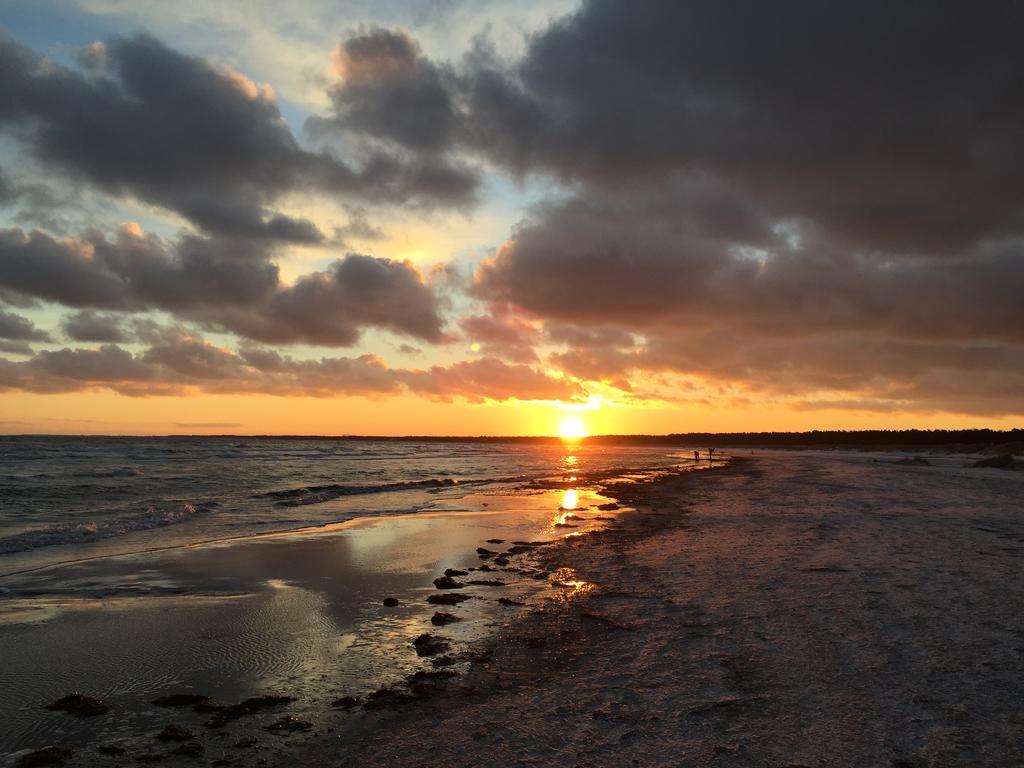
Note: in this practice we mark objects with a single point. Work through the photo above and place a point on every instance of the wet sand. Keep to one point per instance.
(791, 610)
(298, 614)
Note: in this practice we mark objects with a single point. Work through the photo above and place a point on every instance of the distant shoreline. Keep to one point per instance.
(894, 439)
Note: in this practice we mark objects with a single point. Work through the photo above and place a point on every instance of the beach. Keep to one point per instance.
(789, 610)
(783, 609)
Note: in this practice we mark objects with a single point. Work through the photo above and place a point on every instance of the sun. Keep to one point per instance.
(572, 428)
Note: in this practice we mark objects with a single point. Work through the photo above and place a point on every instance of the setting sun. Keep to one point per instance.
(572, 428)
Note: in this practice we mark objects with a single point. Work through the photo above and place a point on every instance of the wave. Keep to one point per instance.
(77, 533)
(317, 494)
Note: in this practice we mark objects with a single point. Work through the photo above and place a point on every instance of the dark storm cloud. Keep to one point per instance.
(625, 264)
(389, 89)
(176, 131)
(331, 306)
(17, 328)
(892, 125)
(224, 284)
(93, 326)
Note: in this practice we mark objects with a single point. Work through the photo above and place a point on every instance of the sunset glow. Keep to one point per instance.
(571, 428)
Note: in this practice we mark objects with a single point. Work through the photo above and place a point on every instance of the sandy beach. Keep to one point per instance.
(791, 610)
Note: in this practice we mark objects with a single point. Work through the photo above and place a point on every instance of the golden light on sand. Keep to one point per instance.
(572, 428)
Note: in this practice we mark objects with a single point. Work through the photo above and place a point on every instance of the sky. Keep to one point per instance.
(483, 217)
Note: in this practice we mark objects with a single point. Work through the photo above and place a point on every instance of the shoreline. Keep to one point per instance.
(732, 623)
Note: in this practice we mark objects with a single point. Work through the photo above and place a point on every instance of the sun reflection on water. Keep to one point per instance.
(570, 499)
(570, 584)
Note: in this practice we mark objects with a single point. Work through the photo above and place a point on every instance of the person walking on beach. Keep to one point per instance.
(696, 455)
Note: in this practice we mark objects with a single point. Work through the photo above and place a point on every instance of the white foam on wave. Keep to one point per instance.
(78, 533)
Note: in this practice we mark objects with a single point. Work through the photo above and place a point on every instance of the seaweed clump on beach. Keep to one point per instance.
(447, 582)
(47, 756)
(182, 700)
(174, 732)
(224, 714)
(452, 598)
(80, 705)
(1003, 461)
(430, 645)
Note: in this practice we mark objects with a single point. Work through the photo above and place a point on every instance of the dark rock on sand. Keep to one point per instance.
(609, 506)
(452, 598)
(519, 549)
(447, 582)
(192, 749)
(429, 645)
(485, 553)
(346, 702)
(47, 756)
(501, 560)
(289, 724)
(182, 700)
(486, 583)
(224, 715)
(390, 602)
(507, 601)
(495, 541)
(455, 572)
(998, 462)
(565, 525)
(441, 618)
(174, 732)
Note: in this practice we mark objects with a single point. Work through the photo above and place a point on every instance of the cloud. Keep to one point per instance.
(834, 114)
(502, 333)
(489, 378)
(93, 326)
(17, 328)
(388, 88)
(177, 362)
(624, 262)
(224, 284)
(760, 196)
(201, 140)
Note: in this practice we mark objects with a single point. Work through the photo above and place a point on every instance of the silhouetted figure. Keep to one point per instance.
(696, 455)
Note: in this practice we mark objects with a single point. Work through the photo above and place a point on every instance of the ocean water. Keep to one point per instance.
(63, 498)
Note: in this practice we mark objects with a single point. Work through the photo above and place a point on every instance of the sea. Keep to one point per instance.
(66, 497)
